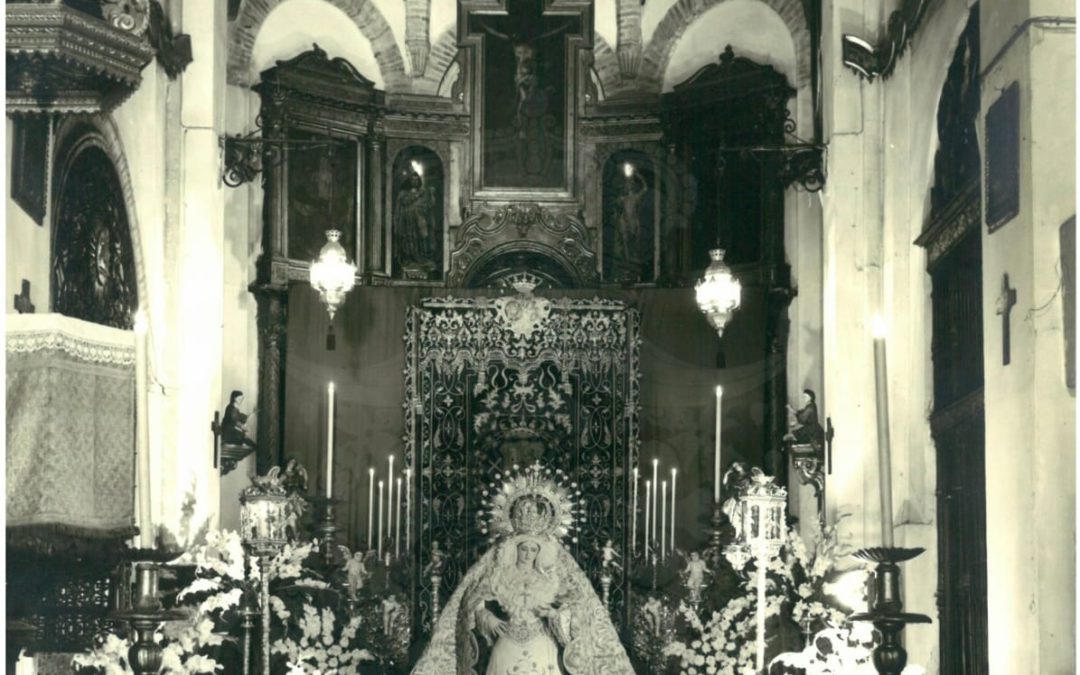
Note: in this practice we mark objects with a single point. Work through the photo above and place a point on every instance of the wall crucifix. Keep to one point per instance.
(1005, 304)
(525, 85)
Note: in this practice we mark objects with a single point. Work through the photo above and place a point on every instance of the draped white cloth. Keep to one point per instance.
(507, 618)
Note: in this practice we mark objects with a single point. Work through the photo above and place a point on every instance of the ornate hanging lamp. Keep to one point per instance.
(332, 275)
(718, 292)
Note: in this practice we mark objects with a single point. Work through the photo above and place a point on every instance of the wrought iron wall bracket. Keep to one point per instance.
(244, 157)
(802, 163)
(870, 61)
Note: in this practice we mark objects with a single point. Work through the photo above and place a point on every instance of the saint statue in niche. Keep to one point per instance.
(628, 220)
(417, 216)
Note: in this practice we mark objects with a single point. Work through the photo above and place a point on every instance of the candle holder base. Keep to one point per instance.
(328, 530)
(886, 607)
(145, 654)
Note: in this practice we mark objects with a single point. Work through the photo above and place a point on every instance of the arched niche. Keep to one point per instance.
(93, 262)
(631, 204)
(498, 270)
(417, 214)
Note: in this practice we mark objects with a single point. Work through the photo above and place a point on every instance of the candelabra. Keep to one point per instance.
(144, 617)
(605, 586)
(248, 611)
(266, 512)
(887, 606)
(328, 530)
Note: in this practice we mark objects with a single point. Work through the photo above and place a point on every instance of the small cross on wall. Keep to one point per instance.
(1005, 303)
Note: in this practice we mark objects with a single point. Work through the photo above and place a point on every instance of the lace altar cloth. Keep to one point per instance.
(70, 427)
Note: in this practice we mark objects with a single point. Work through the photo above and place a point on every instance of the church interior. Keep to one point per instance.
(541, 336)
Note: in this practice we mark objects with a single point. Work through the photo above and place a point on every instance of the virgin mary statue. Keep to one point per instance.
(526, 608)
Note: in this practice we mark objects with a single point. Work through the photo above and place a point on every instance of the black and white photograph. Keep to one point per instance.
(540, 337)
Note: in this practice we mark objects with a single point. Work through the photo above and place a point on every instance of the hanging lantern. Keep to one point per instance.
(718, 292)
(762, 510)
(332, 275)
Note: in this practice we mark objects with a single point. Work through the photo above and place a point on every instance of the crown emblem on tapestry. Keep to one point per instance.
(523, 313)
(534, 500)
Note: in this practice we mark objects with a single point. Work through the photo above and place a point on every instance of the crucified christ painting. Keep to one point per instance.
(525, 94)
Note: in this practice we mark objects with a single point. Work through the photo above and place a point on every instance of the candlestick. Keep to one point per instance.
(370, 504)
(378, 543)
(397, 521)
(330, 441)
(142, 431)
(390, 499)
(673, 473)
(648, 492)
(633, 528)
(717, 458)
(663, 518)
(408, 509)
(884, 451)
(652, 532)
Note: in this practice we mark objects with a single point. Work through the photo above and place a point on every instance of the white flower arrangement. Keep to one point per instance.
(312, 640)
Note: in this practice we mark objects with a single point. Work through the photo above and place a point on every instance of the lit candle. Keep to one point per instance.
(663, 517)
(408, 509)
(648, 492)
(142, 431)
(390, 499)
(716, 459)
(633, 528)
(378, 543)
(673, 472)
(884, 452)
(370, 505)
(397, 521)
(330, 441)
(652, 532)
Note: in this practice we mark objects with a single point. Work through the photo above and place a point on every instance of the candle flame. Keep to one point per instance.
(655, 461)
(380, 484)
(331, 387)
(878, 326)
(719, 391)
(371, 472)
(141, 323)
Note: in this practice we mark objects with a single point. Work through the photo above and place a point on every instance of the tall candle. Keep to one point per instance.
(673, 473)
(717, 458)
(656, 485)
(408, 509)
(378, 544)
(397, 520)
(663, 518)
(648, 491)
(884, 451)
(330, 441)
(370, 505)
(142, 431)
(633, 528)
(390, 499)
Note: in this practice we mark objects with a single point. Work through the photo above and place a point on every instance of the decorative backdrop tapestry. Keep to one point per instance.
(70, 426)
(491, 382)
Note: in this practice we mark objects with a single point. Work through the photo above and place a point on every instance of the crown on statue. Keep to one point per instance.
(534, 500)
(523, 282)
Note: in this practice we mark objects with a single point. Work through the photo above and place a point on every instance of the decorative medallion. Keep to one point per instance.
(523, 313)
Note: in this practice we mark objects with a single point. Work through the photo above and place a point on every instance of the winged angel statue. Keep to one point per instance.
(526, 607)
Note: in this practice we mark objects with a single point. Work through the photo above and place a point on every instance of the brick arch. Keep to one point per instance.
(443, 51)
(73, 136)
(364, 14)
(683, 13)
(606, 64)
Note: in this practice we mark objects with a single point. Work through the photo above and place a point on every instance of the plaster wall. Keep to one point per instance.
(1031, 496)
(28, 246)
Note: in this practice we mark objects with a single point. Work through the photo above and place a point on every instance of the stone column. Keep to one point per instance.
(272, 321)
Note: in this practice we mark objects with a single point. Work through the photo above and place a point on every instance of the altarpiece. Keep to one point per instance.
(493, 382)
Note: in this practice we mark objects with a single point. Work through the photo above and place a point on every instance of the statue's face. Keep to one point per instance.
(805, 399)
(527, 552)
(694, 555)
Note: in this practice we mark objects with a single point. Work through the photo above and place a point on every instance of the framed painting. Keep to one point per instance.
(324, 191)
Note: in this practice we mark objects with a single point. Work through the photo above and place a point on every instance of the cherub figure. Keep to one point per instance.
(434, 567)
(694, 574)
(356, 572)
(608, 556)
(652, 610)
(295, 477)
(391, 608)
